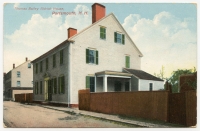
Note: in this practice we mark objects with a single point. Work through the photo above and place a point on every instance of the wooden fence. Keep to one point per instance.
(177, 108)
(144, 104)
(183, 108)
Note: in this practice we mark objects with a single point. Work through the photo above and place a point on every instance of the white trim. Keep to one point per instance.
(105, 84)
(95, 85)
(102, 26)
(114, 76)
(69, 75)
(92, 48)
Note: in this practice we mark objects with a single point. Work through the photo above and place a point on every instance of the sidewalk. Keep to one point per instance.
(115, 118)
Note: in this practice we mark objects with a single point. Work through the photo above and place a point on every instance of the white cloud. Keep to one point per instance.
(165, 40)
(79, 21)
(40, 34)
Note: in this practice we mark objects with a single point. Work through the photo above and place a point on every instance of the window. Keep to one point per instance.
(29, 65)
(18, 83)
(61, 57)
(61, 84)
(55, 85)
(119, 38)
(90, 83)
(92, 56)
(150, 86)
(54, 60)
(127, 86)
(127, 61)
(40, 87)
(18, 74)
(40, 66)
(36, 68)
(47, 63)
(102, 32)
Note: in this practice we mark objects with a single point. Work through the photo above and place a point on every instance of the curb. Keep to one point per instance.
(129, 122)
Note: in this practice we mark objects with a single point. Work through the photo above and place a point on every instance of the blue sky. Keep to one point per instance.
(163, 32)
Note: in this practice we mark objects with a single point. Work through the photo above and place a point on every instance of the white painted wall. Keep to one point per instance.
(26, 77)
(111, 54)
(144, 85)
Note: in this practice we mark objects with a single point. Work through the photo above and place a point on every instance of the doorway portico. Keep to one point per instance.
(111, 81)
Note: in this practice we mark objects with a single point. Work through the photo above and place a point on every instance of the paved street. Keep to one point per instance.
(35, 116)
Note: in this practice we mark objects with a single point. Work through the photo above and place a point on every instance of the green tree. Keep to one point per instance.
(174, 79)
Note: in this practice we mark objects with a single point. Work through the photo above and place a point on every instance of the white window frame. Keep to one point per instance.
(18, 83)
(94, 56)
(29, 65)
(18, 74)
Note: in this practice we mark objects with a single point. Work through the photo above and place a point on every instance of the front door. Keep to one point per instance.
(49, 90)
(118, 86)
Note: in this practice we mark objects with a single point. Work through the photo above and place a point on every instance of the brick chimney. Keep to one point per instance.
(98, 12)
(71, 32)
(26, 59)
(13, 66)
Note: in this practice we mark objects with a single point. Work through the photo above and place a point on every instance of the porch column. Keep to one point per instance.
(105, 83)
(130, 84)
(95, 83)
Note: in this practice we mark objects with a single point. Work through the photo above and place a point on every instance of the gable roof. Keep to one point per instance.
(142, 75)
(71, 39)
(21, 64)
(52, 50)
(111, 14)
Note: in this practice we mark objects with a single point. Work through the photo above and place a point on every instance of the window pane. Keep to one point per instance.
(92, 84)
(18, 83)
(29, 65)
(92, 56)
(119, 36)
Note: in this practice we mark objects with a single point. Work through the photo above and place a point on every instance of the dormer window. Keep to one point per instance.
(102, 32)
(119, 38)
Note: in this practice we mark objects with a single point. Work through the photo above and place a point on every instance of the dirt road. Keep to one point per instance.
(16, 115)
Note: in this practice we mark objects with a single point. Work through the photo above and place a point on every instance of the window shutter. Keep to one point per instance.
(58, 85)
(87, 82)
(87, 55)
(52, 87)
(35, 87)
(127, 61)
(115, 37)
(104, 33)
(63, 87)
(123, 40)
(101, 34)
(97, 58)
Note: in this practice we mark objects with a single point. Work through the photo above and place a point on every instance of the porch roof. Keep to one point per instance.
(113, 73)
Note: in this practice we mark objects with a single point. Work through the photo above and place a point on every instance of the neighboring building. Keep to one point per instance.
(19, 80)
(94, 58)
(4, 74)
(142, 81)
